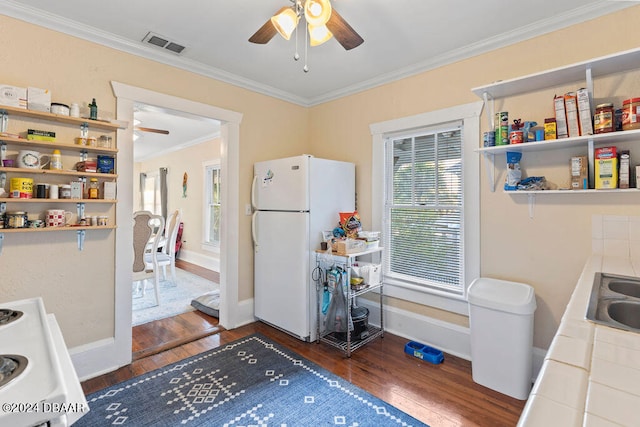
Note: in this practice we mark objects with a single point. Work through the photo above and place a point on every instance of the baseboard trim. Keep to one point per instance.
(96, 358)
(205, 261)
(244, 315)
(448, 337)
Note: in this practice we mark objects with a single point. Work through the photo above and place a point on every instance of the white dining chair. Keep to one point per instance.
(167, 253)
(147, 227)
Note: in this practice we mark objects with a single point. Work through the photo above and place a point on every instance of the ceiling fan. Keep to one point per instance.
(152, 130)
(322, 23)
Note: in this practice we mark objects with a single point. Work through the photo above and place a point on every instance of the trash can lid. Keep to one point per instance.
(512, 297)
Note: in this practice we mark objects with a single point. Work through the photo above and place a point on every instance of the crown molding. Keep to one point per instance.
(520, 34)
(35, 16)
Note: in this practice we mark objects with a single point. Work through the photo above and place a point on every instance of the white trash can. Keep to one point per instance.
(501, 323)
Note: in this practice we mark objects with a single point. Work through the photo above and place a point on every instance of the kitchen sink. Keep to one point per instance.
(625, 287)
(625, 312)
(615, 301)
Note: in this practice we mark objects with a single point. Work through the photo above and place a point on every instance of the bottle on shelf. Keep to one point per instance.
(56, 160)
(93, 191)
(93, 110)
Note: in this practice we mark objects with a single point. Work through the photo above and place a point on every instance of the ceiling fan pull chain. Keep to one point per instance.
(306, 48)
(296, 56)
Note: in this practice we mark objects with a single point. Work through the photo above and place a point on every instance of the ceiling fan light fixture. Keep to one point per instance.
(317, 12)
(318, 34)
(285, 22)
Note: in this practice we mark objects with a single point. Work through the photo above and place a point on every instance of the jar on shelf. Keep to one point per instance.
(17, 219)
(94, 189)
(104, 141)
(604, 118)
(65, 191)
(631, 114)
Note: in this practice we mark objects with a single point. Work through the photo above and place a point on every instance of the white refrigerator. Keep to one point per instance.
(294, 200)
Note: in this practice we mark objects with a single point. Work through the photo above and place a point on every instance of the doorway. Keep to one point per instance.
(127, 96)
(174, 153)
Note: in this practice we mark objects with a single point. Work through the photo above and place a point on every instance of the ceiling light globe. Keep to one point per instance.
(318, 34)
(317, 12)
(285, 22)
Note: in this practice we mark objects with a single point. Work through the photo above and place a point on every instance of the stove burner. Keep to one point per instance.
(7, 315)
(11, 366)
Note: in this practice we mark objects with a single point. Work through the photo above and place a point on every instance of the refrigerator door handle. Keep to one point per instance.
(253, 192)
(254, 232)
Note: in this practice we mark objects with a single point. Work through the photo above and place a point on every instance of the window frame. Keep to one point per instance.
(206, 186)
(469, 116)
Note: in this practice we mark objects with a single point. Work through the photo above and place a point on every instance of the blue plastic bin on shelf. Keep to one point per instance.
(424, 352)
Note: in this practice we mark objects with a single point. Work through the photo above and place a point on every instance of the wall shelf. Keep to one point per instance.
(596, 67)
(59, 145)
(42, 115)
(58, 172)
(584, 72)
(12, 139)
(57, 229)
(14, 200)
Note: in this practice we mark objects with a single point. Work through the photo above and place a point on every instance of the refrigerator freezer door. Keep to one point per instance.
(282, 277)
(281, 185)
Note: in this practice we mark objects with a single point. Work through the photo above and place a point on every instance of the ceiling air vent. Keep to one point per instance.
(163, 43)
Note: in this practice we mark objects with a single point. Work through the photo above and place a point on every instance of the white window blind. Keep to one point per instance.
(423, 215)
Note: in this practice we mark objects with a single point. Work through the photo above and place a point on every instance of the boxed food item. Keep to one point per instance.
(584, 112)
(40, 135)
(349, 246)
(579, 173)
(13, 96)
(606, 173)
(38, 99)
(77, 188)
(109, 190)
(571, 109)
(561, 117)
(624, 178)
(106, 164)
(87, 166)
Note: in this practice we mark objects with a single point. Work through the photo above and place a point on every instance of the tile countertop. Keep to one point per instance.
(591, 373)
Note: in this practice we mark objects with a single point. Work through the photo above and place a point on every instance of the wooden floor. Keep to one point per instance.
(439, 395)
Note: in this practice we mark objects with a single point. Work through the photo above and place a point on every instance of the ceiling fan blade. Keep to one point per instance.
(267, 31)
(343, 32)
(152, 130)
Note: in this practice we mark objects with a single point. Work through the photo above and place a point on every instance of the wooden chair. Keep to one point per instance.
(167, 254)
(147, 227)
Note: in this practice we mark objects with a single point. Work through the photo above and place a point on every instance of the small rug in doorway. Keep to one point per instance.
(174, 298)
(249, 382)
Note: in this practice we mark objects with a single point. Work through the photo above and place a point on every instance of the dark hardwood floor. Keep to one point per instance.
(439, 395)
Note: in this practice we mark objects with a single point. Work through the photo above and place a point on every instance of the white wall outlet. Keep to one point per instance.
(247, 209)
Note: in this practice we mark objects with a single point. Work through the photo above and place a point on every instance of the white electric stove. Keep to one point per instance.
(38, 383)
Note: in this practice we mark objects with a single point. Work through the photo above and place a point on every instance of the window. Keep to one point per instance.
(425, 192)
(212, 204)
(150, 199)
(423, 226)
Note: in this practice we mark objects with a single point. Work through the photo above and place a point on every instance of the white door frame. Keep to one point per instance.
(229, 249)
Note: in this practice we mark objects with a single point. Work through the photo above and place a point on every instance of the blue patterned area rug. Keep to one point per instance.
(249, 382)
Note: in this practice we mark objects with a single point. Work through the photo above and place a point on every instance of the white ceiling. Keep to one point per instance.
(402, 37)
(184, 130)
